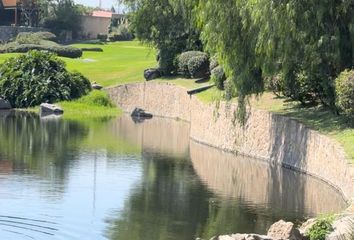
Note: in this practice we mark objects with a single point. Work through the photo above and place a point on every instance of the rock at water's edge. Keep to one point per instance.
(47, 108)
(242, 237)
(284, 230)
(140, 113)
(4, 104)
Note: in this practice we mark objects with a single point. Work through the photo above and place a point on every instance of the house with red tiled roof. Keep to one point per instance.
(9, 12)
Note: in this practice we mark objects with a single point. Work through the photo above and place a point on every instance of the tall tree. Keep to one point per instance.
(164, 24)
(307, 42)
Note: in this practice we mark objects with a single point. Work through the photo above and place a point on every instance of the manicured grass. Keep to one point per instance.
(94, 105)
(119, 63)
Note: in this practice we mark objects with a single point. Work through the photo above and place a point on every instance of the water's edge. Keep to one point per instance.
(274, 138)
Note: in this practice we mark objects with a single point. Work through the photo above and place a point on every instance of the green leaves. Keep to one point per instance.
(36, 77)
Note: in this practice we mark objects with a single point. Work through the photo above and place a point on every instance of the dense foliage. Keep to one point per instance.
(218, 77)
(307, 42)
(63, 15)
(320, 229)
(30, 79)
(188, 63)
(345, 92)
(166, 25)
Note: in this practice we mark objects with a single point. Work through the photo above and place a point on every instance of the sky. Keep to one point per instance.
(94, 3)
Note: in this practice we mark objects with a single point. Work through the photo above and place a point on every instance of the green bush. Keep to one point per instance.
(27, 38)
(61, 51)
(218, 77)
(345, 92)
(102, 37)
(213, 63)
(92, 49)
(121, 34)
(275, 84)
(183, 61)
(320, 229)
(199, 66)
(96, 98)
(36, 77)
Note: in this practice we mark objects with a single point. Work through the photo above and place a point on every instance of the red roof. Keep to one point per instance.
(105, 14)
(9, 3)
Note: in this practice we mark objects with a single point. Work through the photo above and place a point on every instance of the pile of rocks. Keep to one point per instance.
(343, 228)
(278, 231)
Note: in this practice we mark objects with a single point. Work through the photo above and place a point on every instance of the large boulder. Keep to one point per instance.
(46, 109)
(4, 104)
(151, 74)
(343, 228)
(282, 230)
(306, 226)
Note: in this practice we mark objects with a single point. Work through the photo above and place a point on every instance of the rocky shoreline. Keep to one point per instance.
(342, 228)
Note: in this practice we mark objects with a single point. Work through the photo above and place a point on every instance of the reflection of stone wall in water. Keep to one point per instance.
(155, 135)
(268, 136)
(262, 184)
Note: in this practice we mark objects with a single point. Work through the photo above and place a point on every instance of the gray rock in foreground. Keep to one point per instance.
(284, 230)
(242, 237)
(343, 228)
(46, 109)
(4, 104)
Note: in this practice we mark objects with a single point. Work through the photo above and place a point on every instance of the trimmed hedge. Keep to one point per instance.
(345, 92)
(91, 49)
(218, 77)
(183, 61)
(36, 77)
(61, 51)
(198, 66)
(102, 37)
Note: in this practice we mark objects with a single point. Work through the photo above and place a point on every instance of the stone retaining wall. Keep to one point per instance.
(271, 137)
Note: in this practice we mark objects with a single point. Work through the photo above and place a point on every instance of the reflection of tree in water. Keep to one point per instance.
(39, 146)
(169, 203)
(172, 203)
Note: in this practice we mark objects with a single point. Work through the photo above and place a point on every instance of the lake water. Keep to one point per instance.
(123, 180)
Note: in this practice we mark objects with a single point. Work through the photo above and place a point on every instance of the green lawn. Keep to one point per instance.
(119, 63)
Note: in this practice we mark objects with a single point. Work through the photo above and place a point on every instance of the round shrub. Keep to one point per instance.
(36, 77)
(183, 60)
(345, 92)
(218, 77)
(213, 63)
(198, 66)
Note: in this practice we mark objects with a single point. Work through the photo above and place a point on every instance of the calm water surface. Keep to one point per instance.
(123, 180)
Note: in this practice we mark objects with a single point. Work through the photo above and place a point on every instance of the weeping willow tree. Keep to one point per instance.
(306, 42)
(166, 25)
